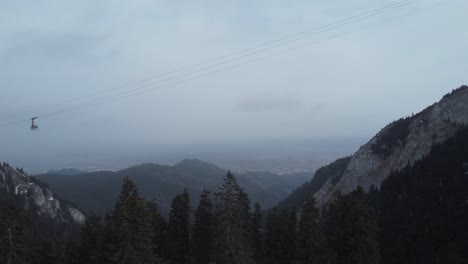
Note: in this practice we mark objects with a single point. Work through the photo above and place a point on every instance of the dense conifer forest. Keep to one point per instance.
(418, 215)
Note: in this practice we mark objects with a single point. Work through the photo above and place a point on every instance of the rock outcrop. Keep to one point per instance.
(400, 143)
(37, 197)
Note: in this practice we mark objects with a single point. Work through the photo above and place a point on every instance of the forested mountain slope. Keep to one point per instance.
(332, 171)
(98, 190)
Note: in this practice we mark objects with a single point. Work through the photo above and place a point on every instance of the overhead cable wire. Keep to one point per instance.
(255, 50)
(243, 56)
(150, 86)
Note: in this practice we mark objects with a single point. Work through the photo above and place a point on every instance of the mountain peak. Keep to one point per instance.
(195, 163)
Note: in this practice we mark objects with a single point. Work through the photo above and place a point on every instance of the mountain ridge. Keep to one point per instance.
(98, 190)
(398, 144)
(413, 138)
(36, 196)
(66, 171)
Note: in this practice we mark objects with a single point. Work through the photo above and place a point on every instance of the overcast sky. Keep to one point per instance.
(348, 86)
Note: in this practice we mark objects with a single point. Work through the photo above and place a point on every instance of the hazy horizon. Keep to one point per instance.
(347, 87)
(279, 157)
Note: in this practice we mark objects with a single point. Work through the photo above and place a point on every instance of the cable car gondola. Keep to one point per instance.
(34, 127)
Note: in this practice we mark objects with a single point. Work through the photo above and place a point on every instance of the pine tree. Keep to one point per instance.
(257, 234)
(14, 234)
(202, 238)
(311, 244)
(159, 226)
(233, 236)
(280, 236)
(128, 234)
(41, 251)
(179, 229)
(90, 242)
(352, 230)
(67, 250)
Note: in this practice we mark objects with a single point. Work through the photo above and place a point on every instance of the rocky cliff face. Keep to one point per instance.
(37, 197)
(400, 143)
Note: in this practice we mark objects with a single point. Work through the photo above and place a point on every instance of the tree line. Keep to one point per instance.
(223, 228)
(418, 215)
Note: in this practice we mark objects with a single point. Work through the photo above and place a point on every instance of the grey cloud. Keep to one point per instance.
(350, 86)
(52, 46)
(269, 104)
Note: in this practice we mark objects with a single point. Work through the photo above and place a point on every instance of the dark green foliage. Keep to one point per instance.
(109, 239)
(455, 91)
(41, 251)
(14, 234)
(394, 136)
(333, 170)
(67, 250)
(280, 236)
(311, 243)
(257, 234)
(91, 235)
(352, 230)
(178, 231)
(424, 209)
(128, 235)
(159, 225)
(232, 217)
(203, 230)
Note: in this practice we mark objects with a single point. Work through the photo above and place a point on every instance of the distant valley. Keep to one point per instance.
(97, 191)
(277, 156)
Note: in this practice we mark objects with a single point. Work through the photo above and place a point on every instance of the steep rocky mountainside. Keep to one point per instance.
(400, 143)
(36, 197)
(98, 191)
